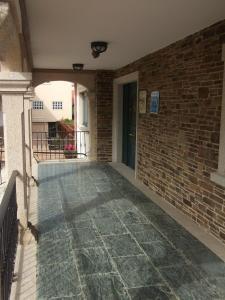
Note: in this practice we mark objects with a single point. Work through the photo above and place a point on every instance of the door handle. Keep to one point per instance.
(131, 134)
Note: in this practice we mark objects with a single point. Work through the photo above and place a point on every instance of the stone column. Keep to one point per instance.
(13, 86)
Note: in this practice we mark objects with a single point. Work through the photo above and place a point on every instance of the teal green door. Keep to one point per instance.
(129, 124)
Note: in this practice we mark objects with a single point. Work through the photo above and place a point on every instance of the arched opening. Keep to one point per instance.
(61, 121)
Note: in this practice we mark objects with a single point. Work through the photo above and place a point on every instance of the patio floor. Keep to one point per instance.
(101, 238)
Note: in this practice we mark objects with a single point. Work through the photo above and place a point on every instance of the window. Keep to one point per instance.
(52, 129)
(38, 105)
(84, 99)
(57, 104)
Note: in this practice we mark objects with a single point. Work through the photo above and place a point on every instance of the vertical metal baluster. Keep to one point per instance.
(46, 144)
(37, 143)
(52, 146)
(85, 142)
(41, 142)
(60, 147)
(80, 142)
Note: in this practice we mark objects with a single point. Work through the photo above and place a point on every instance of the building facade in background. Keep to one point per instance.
(53, 103)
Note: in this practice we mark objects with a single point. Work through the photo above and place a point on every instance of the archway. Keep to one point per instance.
(61, 121)
(85, 78)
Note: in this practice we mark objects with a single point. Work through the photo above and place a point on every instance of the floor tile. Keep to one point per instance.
(206, 260)
(74, 223)
(145, 233)
(137, 271)
(50, 214)
(121, 245)
(102, 211)
(51, 204)
(123, 204)
(93, 260)
(184, 240)
(162, 253)
(52, 252)
(85, 238)
(58, 233)
(82, 203)
(69, 192)
(211, 268)
(132, 216)
(58, 281)
(110, 225)
(105, 187)
(218, 283)
(111, 195)
(151, 293)
(78, 214)
(51, 224)
(149, 208)
(72, 207)
(188, 284)
(105, 287)
(164, 222)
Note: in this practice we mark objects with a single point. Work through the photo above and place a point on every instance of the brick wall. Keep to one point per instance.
(104, 98)
(178, 148)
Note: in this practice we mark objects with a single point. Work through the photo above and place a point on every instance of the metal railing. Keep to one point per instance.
(46, 147)
(8, 237)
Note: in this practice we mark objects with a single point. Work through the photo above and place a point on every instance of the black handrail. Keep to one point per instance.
(8, 236)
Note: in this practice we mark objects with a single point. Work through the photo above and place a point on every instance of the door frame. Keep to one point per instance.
(117, 128)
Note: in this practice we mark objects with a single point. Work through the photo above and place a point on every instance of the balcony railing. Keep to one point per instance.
(59, 146)
(8, 236)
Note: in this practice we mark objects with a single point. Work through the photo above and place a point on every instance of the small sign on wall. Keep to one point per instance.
(142, 101)
(154, 103)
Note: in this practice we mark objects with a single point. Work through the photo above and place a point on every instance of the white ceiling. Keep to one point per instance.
(61, 30)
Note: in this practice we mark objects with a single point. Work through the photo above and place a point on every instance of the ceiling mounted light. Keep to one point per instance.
(98, 48)
(78, 67)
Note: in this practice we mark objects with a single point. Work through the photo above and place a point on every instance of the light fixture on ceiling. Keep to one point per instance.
(78, 67)
(98, 47)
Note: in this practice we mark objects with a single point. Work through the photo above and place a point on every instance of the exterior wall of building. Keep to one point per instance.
(39, 127)
(104, 98)
(49, 92)
(178, 148)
